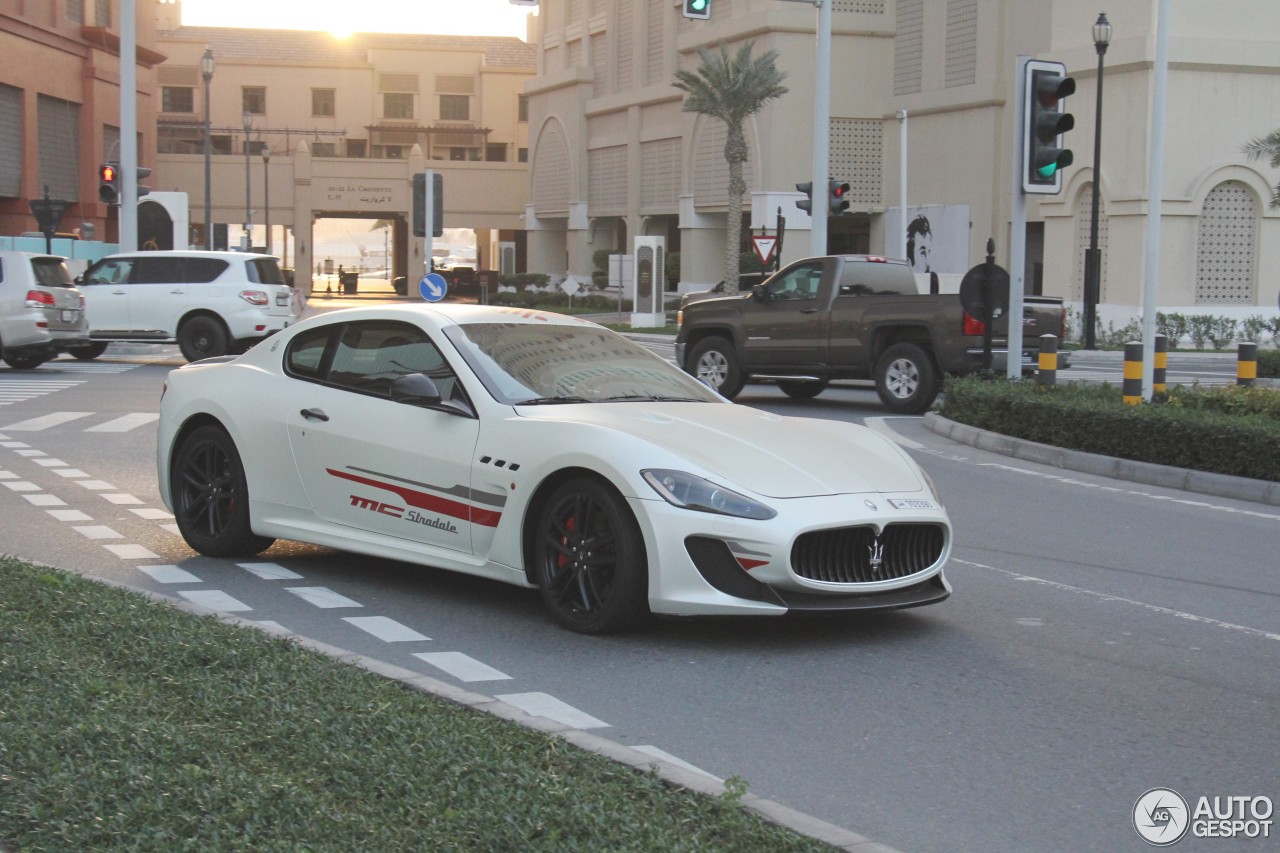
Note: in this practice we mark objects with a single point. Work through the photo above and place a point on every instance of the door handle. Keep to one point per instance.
(314, 414)
(808, 310)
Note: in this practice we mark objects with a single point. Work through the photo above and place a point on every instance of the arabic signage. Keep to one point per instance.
(356, 194)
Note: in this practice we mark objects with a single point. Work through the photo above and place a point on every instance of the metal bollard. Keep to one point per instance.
(1048, 373)
(1132, 386)
(1160, 363)
(1246, 363)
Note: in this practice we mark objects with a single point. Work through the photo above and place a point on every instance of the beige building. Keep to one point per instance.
(613, 157)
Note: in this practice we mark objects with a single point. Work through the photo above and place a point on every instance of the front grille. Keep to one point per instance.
(849, 555)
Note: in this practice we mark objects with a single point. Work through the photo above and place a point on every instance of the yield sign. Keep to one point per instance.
(764, 247)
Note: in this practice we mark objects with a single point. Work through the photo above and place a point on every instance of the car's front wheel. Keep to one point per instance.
(90, 352)
(589, 559)
(906, 379)
(202, 337)
(211, 496)
(714, 363)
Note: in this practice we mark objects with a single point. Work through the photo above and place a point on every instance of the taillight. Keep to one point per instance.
(82, 302)
(254, 297)
(39, 299)
(973, 326)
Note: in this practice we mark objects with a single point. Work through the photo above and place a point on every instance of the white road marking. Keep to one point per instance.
(126, 422)
(70, 473)
(385, 629)
(21, 486)
(462, 667)
(270, 571)
(45, 421)
(8, 475)
(271, 624)
(50, 462)
(214, 599)
(322, 597)
(131, 552)
(31, 451)
(97, 531)
(13, 444)
(546, 705)
(42, 499)
(679, 762)
(96, 485)
(69, 515)
(151, 514)
(168, 574)
(122, 499)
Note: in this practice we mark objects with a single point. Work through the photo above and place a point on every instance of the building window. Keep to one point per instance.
(455, 107)
(523, 107)
(254, 100)
(1227, 246)
(323, 102)
(496, 152)
(177, 99)
(102, 13)
(522, 155)
(397, 105)
(356, 148)
(323, 149)
(75, 11)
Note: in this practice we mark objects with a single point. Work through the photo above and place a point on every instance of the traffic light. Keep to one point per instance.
(806, 204)
(700, 9)
(419, 204)
(142, 188)
(837, 197)
(1044, 157)
(109, 183)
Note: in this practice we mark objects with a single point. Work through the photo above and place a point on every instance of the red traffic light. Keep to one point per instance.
(108, 173)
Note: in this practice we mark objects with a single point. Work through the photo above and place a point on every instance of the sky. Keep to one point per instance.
(439, 17)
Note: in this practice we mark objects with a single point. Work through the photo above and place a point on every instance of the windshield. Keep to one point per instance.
(523, 363)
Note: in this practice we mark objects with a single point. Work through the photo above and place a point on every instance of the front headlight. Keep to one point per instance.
(687, 491)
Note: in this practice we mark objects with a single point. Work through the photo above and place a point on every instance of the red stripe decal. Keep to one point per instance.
(429, 502)
(750, 564)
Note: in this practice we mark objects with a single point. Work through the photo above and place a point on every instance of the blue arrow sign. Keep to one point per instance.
(433, 287)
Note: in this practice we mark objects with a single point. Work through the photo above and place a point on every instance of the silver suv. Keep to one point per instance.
(209, 303)
(41, 311)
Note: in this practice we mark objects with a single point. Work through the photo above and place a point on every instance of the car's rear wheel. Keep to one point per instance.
(802, 389)
(24, 362)
(90, 352)
(906, 379)
(589, 559)
(211, 497)
(714, 363)
(202, 337)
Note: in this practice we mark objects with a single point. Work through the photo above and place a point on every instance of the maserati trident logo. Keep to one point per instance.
(876, 552)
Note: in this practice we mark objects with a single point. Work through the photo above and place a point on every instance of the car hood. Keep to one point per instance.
(771, 455)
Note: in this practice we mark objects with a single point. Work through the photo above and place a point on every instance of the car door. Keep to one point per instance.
(158, 295)
(105, 287)
(370, 463)
(784, 327)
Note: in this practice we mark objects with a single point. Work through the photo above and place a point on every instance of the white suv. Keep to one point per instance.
(41, 311)
(209, 303)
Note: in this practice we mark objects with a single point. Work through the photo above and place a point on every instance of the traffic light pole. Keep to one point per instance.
(1018, 226)
(821, 126)
(428, 210)
(128, 182)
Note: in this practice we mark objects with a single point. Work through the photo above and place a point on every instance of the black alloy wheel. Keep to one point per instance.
(211, 497)
(589, 559)
(202, 337)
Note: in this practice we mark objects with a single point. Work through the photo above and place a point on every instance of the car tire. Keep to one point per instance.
(906, 379)
(714, 363)
(24, 362)
(202, 337)
(589, 559)
(211, 496)
(798, 389)
(90, 352)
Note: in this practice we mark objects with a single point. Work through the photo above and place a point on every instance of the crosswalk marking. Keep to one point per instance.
(126, 422)
(214, 599)
(462, 667)
(97, 531)
(546, 705)
(322, 597)
(385, 629)
(119, 424)
(168, 574)
(86, 366)
(45, 421)
(270, 571)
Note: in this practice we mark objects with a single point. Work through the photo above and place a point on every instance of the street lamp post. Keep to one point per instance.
(248, 213)
(266, 193)
(206, 71)
(1093, 261)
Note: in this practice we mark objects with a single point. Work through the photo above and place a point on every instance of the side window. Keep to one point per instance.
(305, 358)
(110, 271)
(202, 270)
(370, 356)
(156, 271)
(876, 279)
(797, 284)
(264, 271)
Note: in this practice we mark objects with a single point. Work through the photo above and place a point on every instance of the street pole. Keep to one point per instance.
(1093, 259)
(248, 212)
(902, 182)
(1018, 229)
(266, 193)
(128, 126)
(1155, 200)
(206, 71)
(821, 131)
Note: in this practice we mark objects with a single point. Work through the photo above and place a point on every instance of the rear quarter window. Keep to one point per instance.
(51, 272)
(872, 279)
(305, 358)
(202, 270)
(264, 271)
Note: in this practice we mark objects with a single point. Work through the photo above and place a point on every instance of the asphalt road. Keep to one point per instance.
(1104, 638)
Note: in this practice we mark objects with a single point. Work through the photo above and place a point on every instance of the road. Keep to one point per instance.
(1103, 639)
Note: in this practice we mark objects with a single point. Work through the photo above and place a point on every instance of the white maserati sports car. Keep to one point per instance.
(548, 452)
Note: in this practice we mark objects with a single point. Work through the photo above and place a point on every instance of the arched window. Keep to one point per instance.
(1084, 211)
(1227, 246)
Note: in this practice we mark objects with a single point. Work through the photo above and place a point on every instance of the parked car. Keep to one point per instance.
(41, 310)
(209, 303)
(548, 452)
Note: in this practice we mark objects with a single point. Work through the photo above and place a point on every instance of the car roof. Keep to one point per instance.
(449, 313)
(193, 253)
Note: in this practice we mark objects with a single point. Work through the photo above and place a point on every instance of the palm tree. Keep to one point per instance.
(1267, 146)
(731, 89)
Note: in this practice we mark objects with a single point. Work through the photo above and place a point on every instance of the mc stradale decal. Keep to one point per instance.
(425, 500)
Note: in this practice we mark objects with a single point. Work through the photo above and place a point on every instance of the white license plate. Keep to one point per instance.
(70, 315)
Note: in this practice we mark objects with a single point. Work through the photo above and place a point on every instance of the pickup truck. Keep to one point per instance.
(847, 317)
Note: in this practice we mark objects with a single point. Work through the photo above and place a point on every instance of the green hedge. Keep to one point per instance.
(1227, 430)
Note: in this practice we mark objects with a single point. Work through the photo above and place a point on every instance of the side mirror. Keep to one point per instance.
(759, 294)
(415, 389)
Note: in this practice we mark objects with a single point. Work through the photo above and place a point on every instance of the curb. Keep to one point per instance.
(673, 775)
(1146, 473)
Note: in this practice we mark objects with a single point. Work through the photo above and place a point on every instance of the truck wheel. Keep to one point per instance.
(798, 389)
(202, 337)
(906, 379)
(714, 364)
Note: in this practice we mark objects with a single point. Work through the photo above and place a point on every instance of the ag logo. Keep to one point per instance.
(1161, 817)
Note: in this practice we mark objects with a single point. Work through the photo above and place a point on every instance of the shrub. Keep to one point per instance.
(1173, 326)
(1225, 430)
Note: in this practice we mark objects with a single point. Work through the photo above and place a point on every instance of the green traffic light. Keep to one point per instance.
(698, 5)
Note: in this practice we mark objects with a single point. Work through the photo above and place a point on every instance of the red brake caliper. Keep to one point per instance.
(564, 540)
